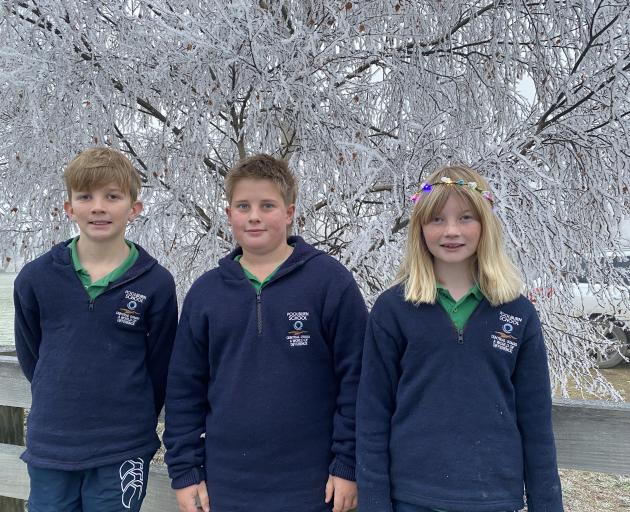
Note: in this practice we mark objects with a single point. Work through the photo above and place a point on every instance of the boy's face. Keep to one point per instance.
(259, 216)
(102, 213)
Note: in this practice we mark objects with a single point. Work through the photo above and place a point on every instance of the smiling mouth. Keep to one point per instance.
(452, 246)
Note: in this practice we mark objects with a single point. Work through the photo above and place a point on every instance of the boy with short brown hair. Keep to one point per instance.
(266, 365)
(263, 167)
(95, 319)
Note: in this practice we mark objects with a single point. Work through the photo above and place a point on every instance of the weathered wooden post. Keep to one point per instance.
(11, 432)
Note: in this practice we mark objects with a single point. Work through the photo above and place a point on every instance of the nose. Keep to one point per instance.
(97, 204)
(452, 228)
(254, 215)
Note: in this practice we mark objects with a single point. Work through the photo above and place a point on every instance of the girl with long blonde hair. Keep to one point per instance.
(454, 406)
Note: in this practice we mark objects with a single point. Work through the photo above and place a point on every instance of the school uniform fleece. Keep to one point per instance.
(271, 379)
(453, 419)
(97, 367)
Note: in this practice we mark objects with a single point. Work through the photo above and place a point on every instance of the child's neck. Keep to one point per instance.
(100, 258)
(456, 278)
(261, 265)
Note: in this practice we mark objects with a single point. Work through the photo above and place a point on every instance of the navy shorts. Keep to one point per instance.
(399, 506)
(119, 487)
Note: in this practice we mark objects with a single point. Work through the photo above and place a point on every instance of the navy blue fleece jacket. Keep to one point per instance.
(97, 367)
(271, 379)
(459, 423)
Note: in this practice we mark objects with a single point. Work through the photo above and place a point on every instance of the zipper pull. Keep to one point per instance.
(460, 336)
(91, 305)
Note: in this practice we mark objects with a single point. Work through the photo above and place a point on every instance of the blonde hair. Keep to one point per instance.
(96, 167)
(263, 167)
(493, 271)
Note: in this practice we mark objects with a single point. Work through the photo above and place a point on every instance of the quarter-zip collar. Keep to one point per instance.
(145, 262)
(302, 252)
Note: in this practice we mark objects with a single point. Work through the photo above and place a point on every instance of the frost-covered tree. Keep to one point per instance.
(364, 98)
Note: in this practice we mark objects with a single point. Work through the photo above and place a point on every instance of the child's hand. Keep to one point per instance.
(187, 498)
(345, 493)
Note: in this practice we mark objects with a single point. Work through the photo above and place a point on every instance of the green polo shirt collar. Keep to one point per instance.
(258, 285)
(94, 289)
(459, 311)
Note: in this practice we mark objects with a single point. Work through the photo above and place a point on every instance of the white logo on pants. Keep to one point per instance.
(131, 479)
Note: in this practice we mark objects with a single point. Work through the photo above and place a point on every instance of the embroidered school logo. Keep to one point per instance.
(503, 339)
(297, 335)
(128, 314)
(131, 480)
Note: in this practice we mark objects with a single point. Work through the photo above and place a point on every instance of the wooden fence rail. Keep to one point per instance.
(590, 435)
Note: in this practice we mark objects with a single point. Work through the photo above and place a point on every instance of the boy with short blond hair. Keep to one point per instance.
(95, 320)
(262, 383)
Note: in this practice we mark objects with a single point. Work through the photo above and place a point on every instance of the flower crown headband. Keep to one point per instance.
(425, 188)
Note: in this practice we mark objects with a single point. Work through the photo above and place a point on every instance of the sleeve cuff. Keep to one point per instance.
(342, 470)
(192, 477)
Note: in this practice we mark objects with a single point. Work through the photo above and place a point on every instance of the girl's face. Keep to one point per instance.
(452, 235)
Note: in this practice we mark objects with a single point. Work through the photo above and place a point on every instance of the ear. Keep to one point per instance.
(228, 212)
(290, 214)
(67, 207)
(136, 209)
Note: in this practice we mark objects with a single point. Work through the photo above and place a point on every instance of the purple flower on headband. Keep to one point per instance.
(424, 188)
(486, 194)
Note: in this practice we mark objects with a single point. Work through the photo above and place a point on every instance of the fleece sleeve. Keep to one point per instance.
(533, 410)
(375, 407)
(162, 324)
(28, 333)
(186, 400)
(346, 328)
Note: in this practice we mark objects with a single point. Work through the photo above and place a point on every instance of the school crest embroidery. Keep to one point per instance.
(502, 339)
(297, 335)
(129, 313)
